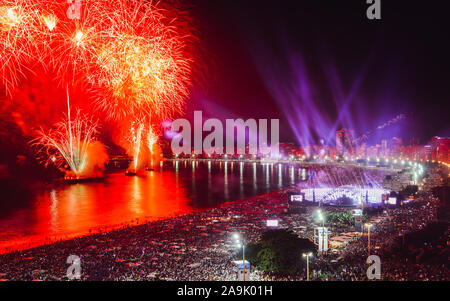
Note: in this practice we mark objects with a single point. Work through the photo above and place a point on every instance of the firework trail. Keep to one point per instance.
(152, 138)
(135, 142)
(153, 148)
(69, 142)
(380, 127)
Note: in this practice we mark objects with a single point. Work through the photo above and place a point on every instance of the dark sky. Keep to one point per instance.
(324, 54)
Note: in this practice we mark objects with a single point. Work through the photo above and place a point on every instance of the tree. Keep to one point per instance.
(344, 217)
(267, 260)
(279, 251)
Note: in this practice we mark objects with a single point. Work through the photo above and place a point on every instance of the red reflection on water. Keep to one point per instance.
(81, 209)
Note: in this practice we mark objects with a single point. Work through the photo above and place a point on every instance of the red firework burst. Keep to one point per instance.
(132, 57)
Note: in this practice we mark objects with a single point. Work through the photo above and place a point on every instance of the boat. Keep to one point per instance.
(76, 180)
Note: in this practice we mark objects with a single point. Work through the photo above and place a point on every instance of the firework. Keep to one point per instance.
(68, 143)
(75, 43)
(132, 58)
(141, 66)
(152, 138)
(19, 31)
(135, 142)
(50, 21)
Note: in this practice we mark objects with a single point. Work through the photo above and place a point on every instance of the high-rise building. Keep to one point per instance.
(428, 151)
(345, 141)
(396, 147)
(440, 148)
(384, 148)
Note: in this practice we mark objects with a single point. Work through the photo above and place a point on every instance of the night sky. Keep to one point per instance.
(308, 62)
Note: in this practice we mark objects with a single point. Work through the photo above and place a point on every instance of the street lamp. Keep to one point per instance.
(236, 236)
(321, 218)
(368, 236)
(307, 255)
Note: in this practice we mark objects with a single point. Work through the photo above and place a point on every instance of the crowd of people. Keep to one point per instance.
(199, 246)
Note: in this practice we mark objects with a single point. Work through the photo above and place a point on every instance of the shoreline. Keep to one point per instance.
(41, 251)
(104, 229)
(33, 241)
